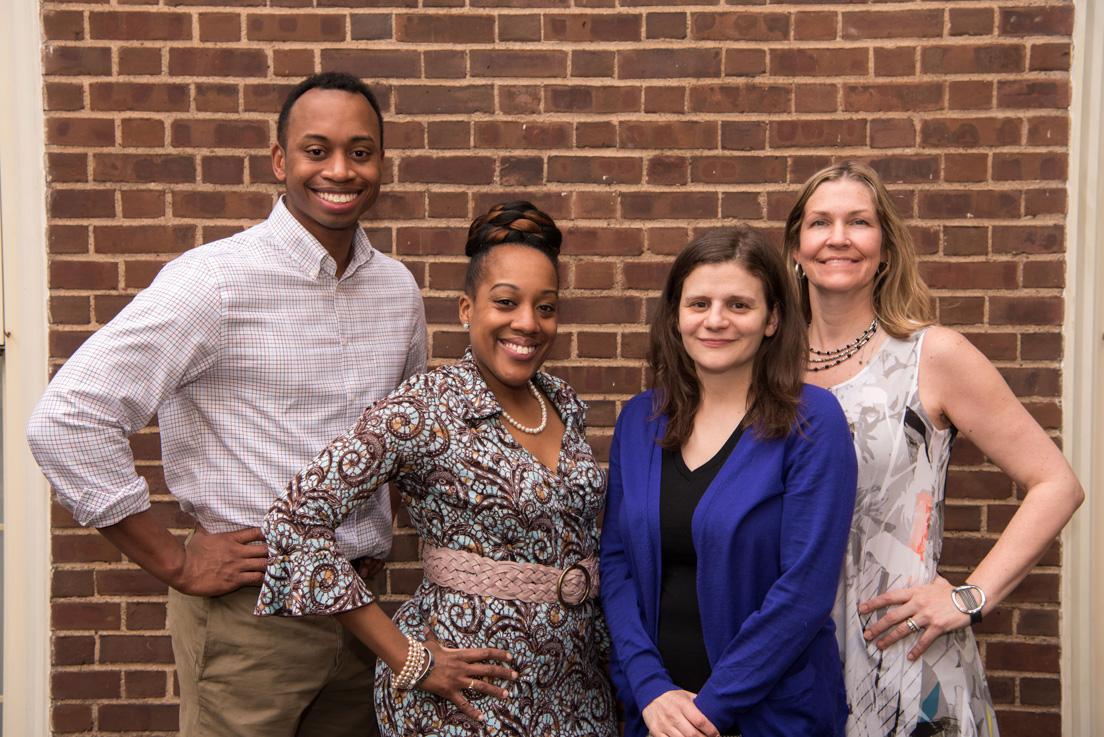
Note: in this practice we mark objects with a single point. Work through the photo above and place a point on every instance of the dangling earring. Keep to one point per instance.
(799, 271)
(465, 326)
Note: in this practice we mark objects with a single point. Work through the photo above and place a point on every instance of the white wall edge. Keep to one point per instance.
(1083, 384)
(26, 633)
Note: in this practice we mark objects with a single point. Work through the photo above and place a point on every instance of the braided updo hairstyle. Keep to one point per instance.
(510, 223)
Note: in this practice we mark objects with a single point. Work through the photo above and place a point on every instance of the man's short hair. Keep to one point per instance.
(325, 81)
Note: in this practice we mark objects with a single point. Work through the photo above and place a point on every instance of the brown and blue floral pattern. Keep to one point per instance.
(468, 485)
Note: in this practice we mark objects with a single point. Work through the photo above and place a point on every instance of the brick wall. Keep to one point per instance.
(633, 124)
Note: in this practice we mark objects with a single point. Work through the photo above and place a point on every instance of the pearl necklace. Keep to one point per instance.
(544, 414)
(838, 356)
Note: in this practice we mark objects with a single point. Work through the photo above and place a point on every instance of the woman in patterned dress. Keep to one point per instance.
(730, 498)
(911, 663)
(491, 459)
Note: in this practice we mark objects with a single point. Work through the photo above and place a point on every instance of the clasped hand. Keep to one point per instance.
(930, 607)
(674, 714)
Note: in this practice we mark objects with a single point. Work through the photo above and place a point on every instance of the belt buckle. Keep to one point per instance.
(559, 585)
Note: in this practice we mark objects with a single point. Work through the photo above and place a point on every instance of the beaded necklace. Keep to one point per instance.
(821, 360)
(544, 414)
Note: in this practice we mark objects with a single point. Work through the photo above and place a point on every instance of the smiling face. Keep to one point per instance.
(840, 244)
(512, 315)
(723, 318)
(331, 166)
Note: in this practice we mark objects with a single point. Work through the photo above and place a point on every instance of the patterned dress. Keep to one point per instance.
(468, 485)
(896, 539)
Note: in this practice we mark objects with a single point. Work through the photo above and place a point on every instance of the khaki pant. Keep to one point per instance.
(247, 676)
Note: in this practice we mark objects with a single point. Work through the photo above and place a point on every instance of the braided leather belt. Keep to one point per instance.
(531, 582)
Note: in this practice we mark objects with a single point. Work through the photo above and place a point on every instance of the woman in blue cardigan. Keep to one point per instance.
(730, 497)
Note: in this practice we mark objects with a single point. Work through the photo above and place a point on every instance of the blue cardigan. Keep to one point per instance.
(770, 533)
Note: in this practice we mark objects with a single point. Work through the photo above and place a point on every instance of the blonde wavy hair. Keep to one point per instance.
(902, 302)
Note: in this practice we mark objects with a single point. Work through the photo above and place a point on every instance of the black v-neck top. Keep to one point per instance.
(680, 640)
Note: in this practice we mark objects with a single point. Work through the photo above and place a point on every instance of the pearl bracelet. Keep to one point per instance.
(416, 656)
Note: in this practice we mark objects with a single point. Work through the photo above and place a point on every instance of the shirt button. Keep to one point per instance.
(345, 341)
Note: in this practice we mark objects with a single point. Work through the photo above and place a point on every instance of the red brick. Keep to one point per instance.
(668, 63)
(1048, 131)
(517, 63)
(896, 97)
(66, 310)
(596, 345)
(447, 169)
(297, 27)
(142, 132)
(140, 25)
(1039, 202)
(138, 203)
(1038, 623)
(607, 241)
(1029, 166)
(1051, 20)
(239, 205)
(223, 170)
(220, 134)
(971, 21)
(138, 717)
(669, 205)
(594, 275)
(217, 62)
(143, 239)
(895, 62)
(665, 136)
(892, 133)
(85, 616)
(744, 135)
(1026, 310)
(601, 379)
(741, 97)
(64, 96)
(73, 649)
(993, 59)
(969, 203)
(85, 684)
(665, 25)
(292, 62)
(216, 27)
(66, 167)
(817, 133)
(668, 170)
(64, 131)
(1050, 274)
(1028, 239)
(67, 239)
(63, 25)
(970, 94)
(819, 62)
(81, 203)
(519, 27)
(893, 24)
(664, 99)
(591, 27)
(594, 64)
(593, 99)
(139, 61)
(1021, 656)
(737, 169)
(1037, 94)
(740, 26)
(217, 98)
(1051, 57)
(516, 134)
(143, 168)
(521, 99)
(68, 718)
(370, 27)
(595, 169)
(814, 26)
(144, 684)
(83, 547)
(966, 167)
(76, 60)
(132, 96)
(969, 275)
(436, 99)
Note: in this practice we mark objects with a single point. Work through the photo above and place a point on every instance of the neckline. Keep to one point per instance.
(873, 357)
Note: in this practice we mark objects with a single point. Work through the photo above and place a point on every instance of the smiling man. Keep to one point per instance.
(254, 352)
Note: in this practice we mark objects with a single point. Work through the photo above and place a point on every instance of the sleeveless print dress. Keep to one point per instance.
(895, 542)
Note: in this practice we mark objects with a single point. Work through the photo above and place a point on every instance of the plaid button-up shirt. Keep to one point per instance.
(254, 357)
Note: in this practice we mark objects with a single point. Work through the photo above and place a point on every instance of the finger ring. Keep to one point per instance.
(471, 685)
(913, 627)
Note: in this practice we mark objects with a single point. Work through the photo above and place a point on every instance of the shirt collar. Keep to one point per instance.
(481, 402)
(305, 250)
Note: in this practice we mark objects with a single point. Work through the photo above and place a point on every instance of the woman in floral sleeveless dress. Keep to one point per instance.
(491, 459)
(911, 664)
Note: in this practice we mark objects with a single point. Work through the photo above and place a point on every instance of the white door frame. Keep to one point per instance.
(26, 634)
(1083, 385)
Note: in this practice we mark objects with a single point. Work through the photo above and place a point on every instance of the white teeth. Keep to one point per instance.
(337, 199)
(524, 350)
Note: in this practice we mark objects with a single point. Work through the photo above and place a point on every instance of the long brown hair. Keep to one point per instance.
(778, 367)
(902, 302)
